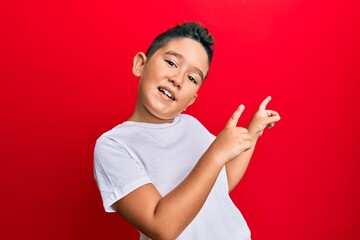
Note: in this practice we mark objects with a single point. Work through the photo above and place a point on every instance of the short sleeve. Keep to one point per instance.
(117, 173)
(211, 136)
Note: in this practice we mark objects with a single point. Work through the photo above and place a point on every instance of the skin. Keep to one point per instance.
(263, 118)
(179, 67)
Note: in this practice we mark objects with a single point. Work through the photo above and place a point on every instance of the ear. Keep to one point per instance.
(138, 63)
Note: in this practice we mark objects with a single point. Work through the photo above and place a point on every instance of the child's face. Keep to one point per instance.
(170, 79)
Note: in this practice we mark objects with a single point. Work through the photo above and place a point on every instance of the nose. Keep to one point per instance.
(175, 83)
(177, 80)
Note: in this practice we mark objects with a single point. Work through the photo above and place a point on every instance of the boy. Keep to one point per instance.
(162, 170)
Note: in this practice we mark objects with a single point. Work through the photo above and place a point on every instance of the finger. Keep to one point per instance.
(271, 113)
(235, 117)
(247, 138)
(271, 120)
(242, 130)
(265, 103)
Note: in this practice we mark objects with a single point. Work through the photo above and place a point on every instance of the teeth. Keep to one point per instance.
(167, 93)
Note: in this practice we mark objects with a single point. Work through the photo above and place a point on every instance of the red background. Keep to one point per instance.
(66, 78)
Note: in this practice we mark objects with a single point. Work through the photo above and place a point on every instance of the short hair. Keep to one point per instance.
(192, 30)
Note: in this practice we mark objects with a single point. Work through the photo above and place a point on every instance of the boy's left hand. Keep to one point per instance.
(261, 119)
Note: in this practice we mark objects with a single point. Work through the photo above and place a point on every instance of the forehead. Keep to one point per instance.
(192, 52)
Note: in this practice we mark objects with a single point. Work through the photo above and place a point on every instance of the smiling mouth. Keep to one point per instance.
(166, 93)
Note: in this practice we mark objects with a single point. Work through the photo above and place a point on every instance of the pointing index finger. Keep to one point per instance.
(235, 116)
(265, 103)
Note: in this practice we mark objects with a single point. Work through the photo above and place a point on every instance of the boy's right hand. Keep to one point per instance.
(233, 140)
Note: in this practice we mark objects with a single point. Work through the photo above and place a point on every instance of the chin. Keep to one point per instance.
(165, 117)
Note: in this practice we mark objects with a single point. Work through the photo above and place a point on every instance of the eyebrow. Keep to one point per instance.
(178, 55)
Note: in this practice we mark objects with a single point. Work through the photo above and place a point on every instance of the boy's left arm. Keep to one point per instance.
(263, 118)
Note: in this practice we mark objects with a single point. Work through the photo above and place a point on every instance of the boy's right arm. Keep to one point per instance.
(166, 217)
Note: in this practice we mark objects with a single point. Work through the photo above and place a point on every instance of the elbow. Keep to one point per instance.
(163, 232)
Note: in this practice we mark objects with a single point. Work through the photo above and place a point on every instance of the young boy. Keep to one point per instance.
(162, 170)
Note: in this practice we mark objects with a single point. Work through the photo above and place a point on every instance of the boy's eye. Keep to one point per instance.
(170, 63)
(191, 78)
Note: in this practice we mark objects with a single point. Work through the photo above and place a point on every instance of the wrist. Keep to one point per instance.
(254, 135)
(216, 155)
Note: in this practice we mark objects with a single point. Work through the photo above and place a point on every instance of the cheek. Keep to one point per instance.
(150, 68)
(192, 94)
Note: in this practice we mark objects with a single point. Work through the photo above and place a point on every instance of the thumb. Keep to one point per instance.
(235, 116)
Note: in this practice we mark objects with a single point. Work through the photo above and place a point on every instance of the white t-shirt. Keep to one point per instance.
(133, 154)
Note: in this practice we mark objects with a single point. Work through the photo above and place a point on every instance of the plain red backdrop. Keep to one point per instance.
(65, 73)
